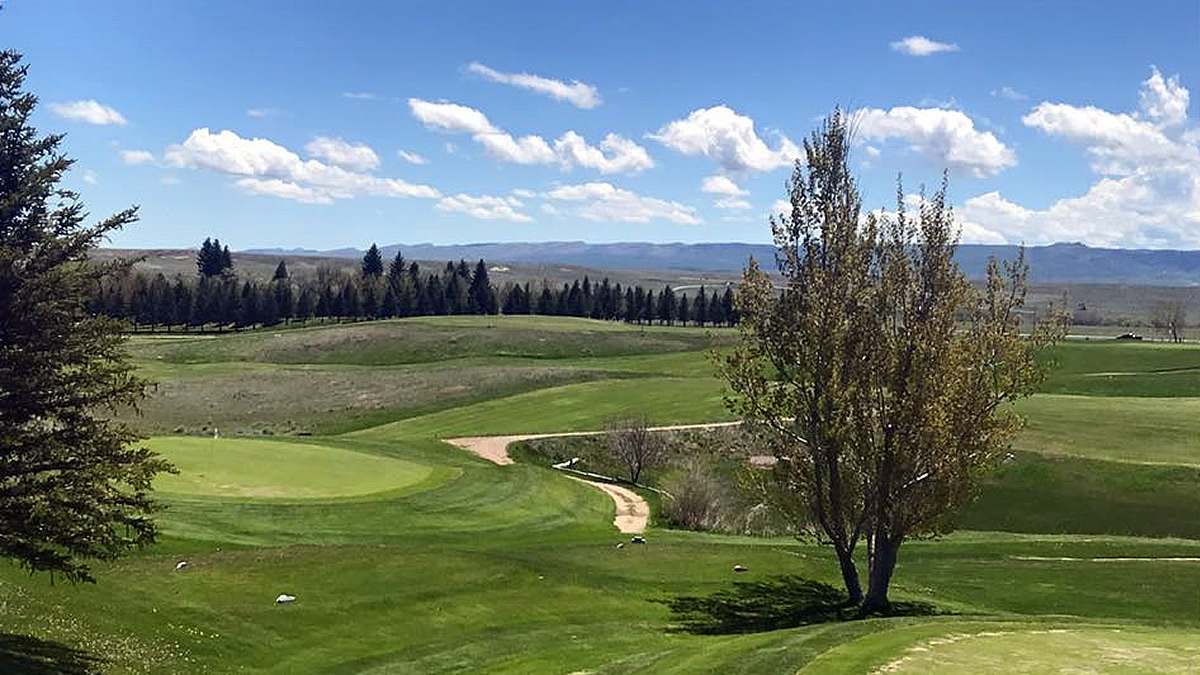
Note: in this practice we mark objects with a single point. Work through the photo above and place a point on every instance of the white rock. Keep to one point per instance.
(180, 565)
(284, 598)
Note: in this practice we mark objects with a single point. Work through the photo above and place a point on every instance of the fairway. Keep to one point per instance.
(254, 468)
(952, 647)
(408, 555)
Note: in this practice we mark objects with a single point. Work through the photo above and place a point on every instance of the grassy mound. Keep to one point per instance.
(254, 468)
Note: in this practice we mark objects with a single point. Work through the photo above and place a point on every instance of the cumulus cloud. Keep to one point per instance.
(411, 157)
(486, 207)
(947, 137)
(1164, 101)
(606, 202)
(1148, 192)
(353, 156)
(722, 185)
(91, 177)
(136, 157)
(732, 203)
(576, 93)
(726, 137)
(524, 193)
(614, 154)
(265, 167)
(919, 45)
(90, 111)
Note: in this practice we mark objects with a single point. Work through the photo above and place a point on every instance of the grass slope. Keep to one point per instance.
(479, 568)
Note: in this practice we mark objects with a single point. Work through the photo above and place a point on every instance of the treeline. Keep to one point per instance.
(216, 297)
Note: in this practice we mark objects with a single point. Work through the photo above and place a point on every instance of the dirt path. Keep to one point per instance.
(632, 511)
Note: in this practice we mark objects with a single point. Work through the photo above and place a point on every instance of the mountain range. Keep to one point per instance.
(1056, 263)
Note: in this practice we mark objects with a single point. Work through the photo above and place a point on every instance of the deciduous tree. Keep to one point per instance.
(879, 377)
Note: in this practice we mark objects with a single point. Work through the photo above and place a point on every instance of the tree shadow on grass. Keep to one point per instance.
(771, 604)
(31, 656)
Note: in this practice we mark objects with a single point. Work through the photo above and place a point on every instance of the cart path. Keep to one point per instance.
(632, 511)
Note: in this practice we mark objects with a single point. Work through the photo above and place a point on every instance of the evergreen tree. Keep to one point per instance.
(728, 310)
(481, 299)
(666, 306)
(74, 484)
(281, 271)
(226, 261)
(716, 312)
(683, 311)
(545, 303)
(396, 269)
(388, 307)
(306, 306)
(701, 308)
(372, 263)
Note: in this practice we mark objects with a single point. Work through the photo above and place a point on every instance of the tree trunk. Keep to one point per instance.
(854, 594)
(881, 556)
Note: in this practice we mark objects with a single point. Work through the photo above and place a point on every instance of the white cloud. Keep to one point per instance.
(919, 45)
(136, 157)
(781, 206)
(359, 95)
(264, 112)
(90, 177)
(411, 157)
(524, 193)
(606, 202)
(90, 111)
(551, 209)
(1009, 93)
(264, 167)
(726, 137)
(947, 137)
(450, 148)
(451, 117)
(486, 207)
(722, 185)
(169, 180)
(1148, 193)
(614, 154)
(353, 156)
(1165, 102)
(576, 93)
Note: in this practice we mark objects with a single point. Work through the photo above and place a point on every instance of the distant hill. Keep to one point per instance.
(1057, 263)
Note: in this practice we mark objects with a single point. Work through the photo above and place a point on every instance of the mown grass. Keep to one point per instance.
(481, 568)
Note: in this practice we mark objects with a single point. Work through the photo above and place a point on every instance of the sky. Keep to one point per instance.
(329, 124)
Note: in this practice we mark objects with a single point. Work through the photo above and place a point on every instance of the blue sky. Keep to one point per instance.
(320, 124)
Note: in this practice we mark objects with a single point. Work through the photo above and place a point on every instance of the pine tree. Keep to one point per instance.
(281, 271)
(372, 263)
(74, 484)
(396, 269)
(701, 308)
(683, 311)
(481, 299)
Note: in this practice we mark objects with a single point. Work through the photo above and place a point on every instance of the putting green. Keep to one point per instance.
(259, 468)
(977, 647)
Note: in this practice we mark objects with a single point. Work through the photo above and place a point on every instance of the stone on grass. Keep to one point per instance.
(740, 568)
(180, 565)
(284, 598)
(621, 545)
(637, 539)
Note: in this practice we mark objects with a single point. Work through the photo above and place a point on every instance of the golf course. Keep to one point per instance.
(312, 461)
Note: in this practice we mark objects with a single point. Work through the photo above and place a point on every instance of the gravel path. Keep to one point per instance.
(632, 511)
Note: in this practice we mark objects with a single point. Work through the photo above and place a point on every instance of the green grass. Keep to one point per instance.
(1039, 493)
(255, 468)
(1014, 647)
(442, 562)
(426, 339)
(1164, 430)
